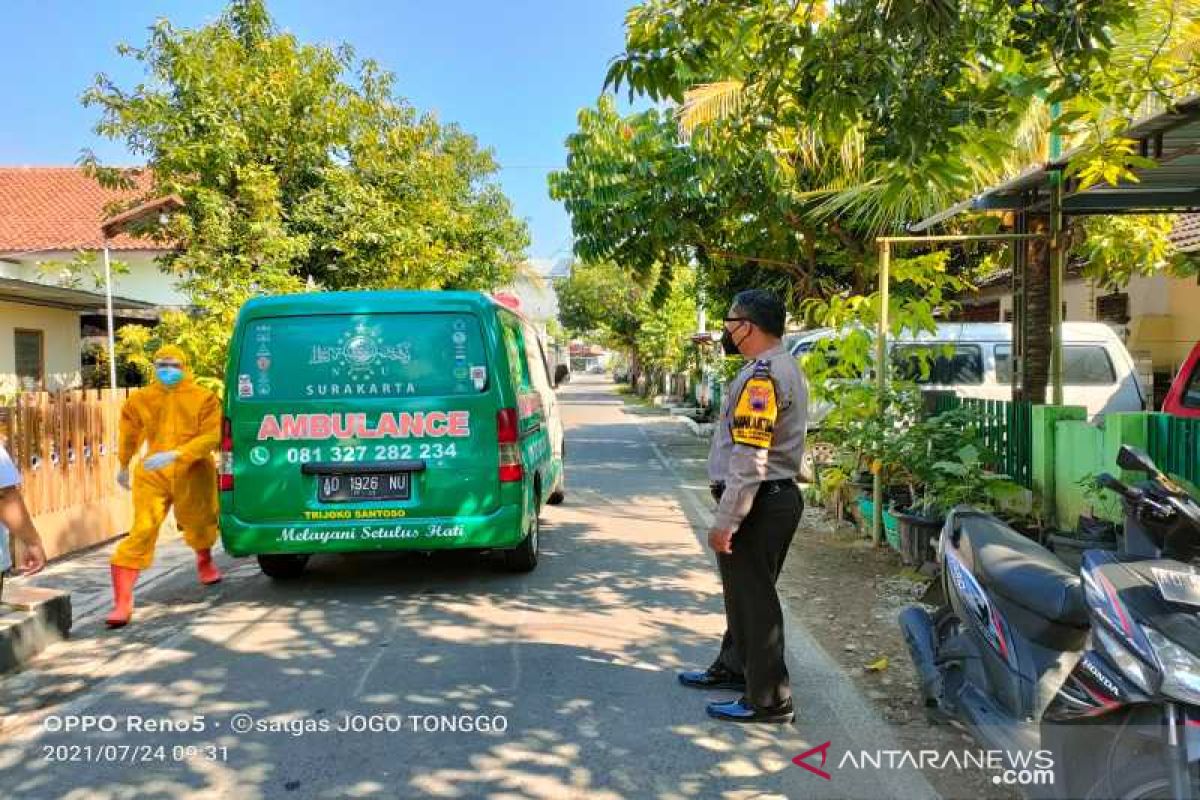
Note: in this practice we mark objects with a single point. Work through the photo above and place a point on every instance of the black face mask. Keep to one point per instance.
(728, 344)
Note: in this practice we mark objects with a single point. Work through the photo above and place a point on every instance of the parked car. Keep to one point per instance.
(1098, 372)
(366, 421)
(1183, 399)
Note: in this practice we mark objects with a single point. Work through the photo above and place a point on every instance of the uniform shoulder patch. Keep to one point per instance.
(756, 411)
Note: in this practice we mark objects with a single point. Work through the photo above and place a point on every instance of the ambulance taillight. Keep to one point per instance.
(508, 434)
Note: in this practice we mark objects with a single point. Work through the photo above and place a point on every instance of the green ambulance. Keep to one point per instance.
(374, 421)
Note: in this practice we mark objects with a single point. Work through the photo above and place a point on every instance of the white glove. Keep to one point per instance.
(157, 461)
(123, 478)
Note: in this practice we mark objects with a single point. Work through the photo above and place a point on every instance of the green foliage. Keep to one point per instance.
(1118, 247)
(605, 302)
(922, 289)
(299, 167)
(602, 300)
(965, 479)
(941, 460)
(867, 428)
(1104, 503)
(805, 129)
(84, 270)
(663, 343)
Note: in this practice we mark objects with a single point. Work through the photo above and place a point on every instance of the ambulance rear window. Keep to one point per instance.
(347, 356)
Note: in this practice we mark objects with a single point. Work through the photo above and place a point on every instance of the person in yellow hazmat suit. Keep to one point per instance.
(179, 421)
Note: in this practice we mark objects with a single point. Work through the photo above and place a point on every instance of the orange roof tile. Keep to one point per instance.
(60, 208)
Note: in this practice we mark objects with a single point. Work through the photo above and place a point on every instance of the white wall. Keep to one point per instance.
(144, 280)
(61, 341)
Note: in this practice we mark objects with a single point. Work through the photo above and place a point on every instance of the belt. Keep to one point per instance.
(718, 487)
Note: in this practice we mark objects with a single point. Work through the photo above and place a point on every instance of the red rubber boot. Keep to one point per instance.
(123, 579)
(208, 570)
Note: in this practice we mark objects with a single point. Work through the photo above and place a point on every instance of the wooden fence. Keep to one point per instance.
(1006, 429)
(65, 445)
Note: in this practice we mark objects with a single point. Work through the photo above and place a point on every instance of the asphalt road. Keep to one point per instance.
(569, 671)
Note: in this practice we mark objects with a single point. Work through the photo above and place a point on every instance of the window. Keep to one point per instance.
(516, 356)
(1191, 392)
(929, 364)
(30, 359)
(1113, 308)
(1004, 366)
(538, 368)
(1083, 365)
(1087, 365)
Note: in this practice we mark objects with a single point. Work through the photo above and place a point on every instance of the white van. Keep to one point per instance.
(1098, 372)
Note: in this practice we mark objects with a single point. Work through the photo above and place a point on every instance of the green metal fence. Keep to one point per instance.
(1174, 444)
(1006, 428)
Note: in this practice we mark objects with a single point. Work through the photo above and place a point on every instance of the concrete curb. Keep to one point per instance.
(31, 619)
(703, 430)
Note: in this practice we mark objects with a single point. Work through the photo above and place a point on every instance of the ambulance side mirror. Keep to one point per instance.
(562, 374)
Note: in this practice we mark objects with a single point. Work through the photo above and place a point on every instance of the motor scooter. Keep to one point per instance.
(1098, 671)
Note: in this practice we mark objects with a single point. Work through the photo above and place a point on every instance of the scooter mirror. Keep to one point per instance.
(1135, 459)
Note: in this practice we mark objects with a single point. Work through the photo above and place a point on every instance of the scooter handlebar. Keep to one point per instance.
(1188, 508)
(1112, 484)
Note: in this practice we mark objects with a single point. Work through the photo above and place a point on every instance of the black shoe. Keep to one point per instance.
(713, 679)
(742, 711)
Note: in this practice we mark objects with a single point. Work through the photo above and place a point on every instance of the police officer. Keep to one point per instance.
(753, 464)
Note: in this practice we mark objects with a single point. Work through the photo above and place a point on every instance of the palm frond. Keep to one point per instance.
(708, 102)
(1031, 136)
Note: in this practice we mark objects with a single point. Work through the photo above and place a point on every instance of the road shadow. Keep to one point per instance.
(577, 658)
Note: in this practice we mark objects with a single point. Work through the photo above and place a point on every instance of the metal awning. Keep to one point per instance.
(13, 290)
(1169, 138)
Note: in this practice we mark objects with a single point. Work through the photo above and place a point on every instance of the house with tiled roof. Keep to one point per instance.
(52, 217)
(1156, 315)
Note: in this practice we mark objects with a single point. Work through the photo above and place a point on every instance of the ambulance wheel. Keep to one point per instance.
(282, 567)
(524, 557)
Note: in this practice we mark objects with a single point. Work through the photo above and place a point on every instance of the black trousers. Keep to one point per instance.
(753, 643)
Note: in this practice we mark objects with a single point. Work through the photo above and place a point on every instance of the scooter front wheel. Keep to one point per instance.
(1143, 778)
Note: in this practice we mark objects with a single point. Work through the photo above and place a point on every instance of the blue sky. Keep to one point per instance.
(512, 72)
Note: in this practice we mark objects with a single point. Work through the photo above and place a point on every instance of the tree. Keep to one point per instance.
(662, 343)
(299, 167)
(816, 128)
(612, 305)
(604, 302)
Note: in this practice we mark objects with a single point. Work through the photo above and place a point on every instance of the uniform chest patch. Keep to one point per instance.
(755, 413)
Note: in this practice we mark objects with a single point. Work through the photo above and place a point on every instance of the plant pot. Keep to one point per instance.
(1094, 529)
(891, 525)
(863, 485)
(918, 537)
(1069, 549)
(897, 496)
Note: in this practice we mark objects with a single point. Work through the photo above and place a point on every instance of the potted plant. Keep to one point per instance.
(942, 483)
(1103, 507)
(1095, 530)
(924, 445)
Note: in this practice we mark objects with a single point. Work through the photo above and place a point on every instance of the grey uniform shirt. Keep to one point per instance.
(778, 446)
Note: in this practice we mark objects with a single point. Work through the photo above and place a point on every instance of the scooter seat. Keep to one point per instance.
(1022, 571)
